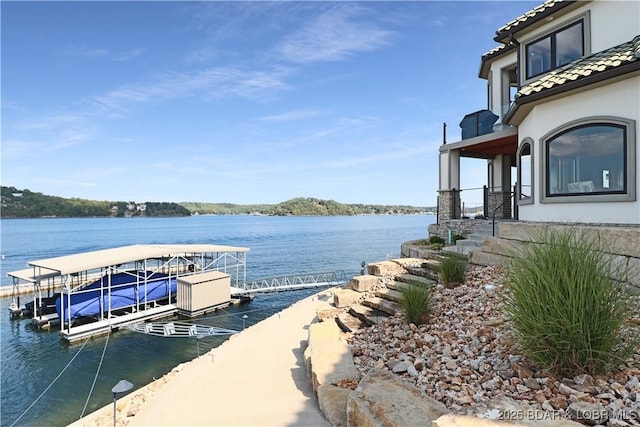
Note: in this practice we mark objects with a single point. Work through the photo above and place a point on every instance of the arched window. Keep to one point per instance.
(525, 172)
(590, 160)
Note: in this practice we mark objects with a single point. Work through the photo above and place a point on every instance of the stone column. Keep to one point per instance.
(497, 198)
(449, 205)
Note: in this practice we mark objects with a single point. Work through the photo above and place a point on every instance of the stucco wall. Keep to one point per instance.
(618, 99)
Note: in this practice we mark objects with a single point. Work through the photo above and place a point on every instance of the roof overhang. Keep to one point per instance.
(523, 105)
(502, 142)
(87, 261)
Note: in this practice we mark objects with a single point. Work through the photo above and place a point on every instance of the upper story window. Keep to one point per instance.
(591, 160)
(555, 49)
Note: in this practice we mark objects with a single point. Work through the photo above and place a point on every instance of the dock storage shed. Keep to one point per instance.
(202, 292)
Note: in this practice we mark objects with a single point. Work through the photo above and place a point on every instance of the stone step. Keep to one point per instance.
(368, 315)
(348, 323)
(432, 264)
(430, 273)
(412, 278)
(398, 286)
(389, 294)
(389, 307)
(470, 242)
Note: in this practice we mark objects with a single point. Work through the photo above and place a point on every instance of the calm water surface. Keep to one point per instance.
(37, 390)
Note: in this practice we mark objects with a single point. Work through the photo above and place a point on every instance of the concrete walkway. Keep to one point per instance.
(257, 378)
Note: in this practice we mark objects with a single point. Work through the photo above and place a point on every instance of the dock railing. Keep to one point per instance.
(293, 282)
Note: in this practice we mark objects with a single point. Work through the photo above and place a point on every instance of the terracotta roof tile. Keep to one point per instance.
(496, 51)
(536, 13)
(585, 67)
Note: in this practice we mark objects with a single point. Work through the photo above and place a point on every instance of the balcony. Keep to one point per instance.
(477, 124)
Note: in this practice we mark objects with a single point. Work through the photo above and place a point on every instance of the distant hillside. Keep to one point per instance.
(27, 204)
(302, 206)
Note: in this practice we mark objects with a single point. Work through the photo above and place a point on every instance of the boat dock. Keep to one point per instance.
(101, 291)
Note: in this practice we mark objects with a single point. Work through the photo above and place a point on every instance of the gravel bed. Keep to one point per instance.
(465, 357)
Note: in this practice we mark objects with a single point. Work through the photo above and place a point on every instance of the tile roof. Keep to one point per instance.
(497, 51)
(585, 67)
(533, 15)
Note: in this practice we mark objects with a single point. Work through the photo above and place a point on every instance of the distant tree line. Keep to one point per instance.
(17, 203)
(303, 206)
(28, 204)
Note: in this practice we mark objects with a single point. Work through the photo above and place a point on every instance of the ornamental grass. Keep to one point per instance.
(568, 306)
(452, 268)
(415, 302)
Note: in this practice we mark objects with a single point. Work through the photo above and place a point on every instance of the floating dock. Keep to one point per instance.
(93, 293)
(107, 289)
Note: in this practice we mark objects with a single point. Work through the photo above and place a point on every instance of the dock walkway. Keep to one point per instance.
(256, 378)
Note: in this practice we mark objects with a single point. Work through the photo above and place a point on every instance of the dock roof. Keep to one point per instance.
(69, 264)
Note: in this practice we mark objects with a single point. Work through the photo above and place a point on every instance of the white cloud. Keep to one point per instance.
(293, 115)
(213, 82)
(334, 35)
(101, 53)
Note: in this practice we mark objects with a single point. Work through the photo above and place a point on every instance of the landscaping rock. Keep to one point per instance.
(364, 283)
(383, 399)
(333, 403)
(328, 357)
(465, 358)
(345, 297)
(383, 268)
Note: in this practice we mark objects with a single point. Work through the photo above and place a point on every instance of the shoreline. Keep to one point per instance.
(151, 404)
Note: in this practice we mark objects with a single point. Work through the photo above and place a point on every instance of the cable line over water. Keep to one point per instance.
(104, 350)
(52, 383)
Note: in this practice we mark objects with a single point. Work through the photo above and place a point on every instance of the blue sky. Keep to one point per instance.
(240, 102)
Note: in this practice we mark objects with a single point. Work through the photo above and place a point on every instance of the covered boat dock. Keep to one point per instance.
(94, 292)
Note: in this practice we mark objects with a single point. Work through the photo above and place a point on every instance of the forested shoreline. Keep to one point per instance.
(17, 203)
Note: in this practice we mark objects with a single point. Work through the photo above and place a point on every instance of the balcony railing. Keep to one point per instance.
(478, 123)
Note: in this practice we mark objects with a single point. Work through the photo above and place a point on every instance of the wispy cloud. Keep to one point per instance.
(293, 116)
(381, 157)
(101, 53)
(210, 83)
(334, 35)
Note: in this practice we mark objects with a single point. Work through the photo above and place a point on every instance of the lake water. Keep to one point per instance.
(45, 381)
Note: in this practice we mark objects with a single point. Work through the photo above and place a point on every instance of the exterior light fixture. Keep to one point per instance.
(121, 387)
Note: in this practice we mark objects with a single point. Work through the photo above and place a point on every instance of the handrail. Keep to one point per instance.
(298, 281)
(493, 216)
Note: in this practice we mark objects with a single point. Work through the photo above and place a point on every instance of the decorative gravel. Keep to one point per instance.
(465, 357)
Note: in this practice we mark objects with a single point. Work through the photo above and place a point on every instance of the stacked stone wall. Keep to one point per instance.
(622, 242)
(501, 203)
(463, 227)
(449, 205)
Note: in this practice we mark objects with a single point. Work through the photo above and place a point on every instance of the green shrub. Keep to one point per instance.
(566, 305)
(415, 303)
(457, 237)
(452, 268)
(436, 239)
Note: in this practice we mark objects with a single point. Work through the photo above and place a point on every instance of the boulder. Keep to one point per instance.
(328, 356)
(345, 297)
(383, 267)
(363, 283)
(333, 403)
(382, 399)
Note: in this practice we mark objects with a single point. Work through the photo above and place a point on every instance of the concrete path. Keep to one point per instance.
(257, 378)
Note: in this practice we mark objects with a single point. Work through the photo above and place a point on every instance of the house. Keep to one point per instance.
(560, 132)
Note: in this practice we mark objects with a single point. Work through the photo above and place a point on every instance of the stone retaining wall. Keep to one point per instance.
(622, 242)
(463, 227)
